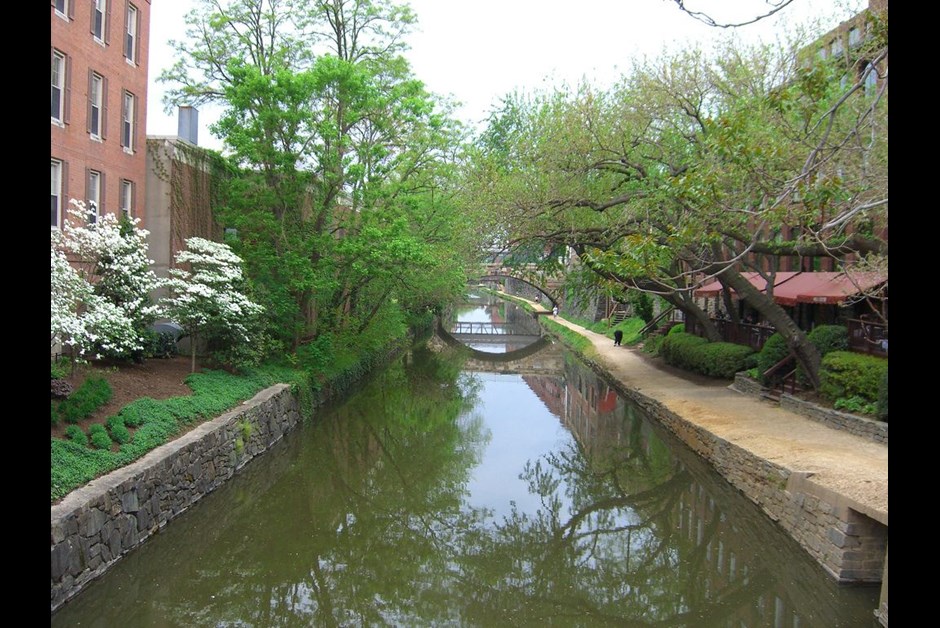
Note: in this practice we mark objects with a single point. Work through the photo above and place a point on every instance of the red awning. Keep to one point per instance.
(825, 288)
(713, 288)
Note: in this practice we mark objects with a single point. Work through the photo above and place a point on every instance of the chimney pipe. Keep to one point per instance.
(188, 128)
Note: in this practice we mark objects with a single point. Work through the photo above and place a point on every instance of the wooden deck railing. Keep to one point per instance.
(868, 337)
(754, 336)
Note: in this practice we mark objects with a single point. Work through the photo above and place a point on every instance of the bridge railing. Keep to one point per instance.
(463, 327)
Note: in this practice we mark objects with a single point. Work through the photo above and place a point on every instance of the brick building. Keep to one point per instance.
(99, 105)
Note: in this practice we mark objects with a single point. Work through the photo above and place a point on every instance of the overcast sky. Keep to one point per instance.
(478, 50)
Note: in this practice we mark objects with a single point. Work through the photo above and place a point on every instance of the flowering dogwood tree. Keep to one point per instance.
(84, 321)
(113, 254)
(207, 300)
(103, 306)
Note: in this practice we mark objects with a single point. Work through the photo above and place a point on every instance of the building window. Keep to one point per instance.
(127, 198)
(855, 37)
(871, 80)
(836, 46)
(129, 115)
(57, 179)
(97, 105)
(58, 86)
(63, 8)
(130, 33)
(100, 20)
(93, 194)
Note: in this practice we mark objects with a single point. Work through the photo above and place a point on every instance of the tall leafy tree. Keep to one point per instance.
(697, 166)
(341, 148)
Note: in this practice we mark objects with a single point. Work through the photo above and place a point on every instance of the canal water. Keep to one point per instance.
(449, 493)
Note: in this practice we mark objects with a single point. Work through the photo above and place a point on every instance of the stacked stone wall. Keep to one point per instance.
(94, 526)
(849, 542)
(876, 431)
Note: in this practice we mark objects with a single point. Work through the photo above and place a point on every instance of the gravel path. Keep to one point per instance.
(849, 465)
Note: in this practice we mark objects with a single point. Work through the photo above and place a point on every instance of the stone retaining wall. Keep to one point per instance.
(876, 431)
(97, 524)
(842, 535)
(860, 426)
(847, 540)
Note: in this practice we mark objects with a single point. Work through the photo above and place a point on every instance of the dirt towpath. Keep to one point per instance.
(849, 465)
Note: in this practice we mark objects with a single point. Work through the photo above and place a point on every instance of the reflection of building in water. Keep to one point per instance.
(744, 571)
(550, 389)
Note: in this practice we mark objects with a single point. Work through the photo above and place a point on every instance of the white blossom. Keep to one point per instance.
(208, 298)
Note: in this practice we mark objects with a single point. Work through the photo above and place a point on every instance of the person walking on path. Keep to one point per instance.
(618, 337)
(555, 311)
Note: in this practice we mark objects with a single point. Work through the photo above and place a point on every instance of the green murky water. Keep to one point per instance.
(440, 496)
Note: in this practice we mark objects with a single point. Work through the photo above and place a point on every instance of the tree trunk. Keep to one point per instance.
(691, 309)
(805, 351)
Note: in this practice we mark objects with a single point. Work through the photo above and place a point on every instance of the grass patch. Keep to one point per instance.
(74, 463)
(569, 337)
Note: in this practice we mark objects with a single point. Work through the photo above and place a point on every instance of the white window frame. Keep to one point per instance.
(127, 198)
(131, 34)
(97, 105)
(58, 59)
(64, 13)
(56, 195)
(93, 196)
(128, 108)
(99, 8)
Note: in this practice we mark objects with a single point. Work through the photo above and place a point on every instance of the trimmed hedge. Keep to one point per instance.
(714, 359)
(679, 349)
(882, 408)
(829, 338)
(846, 374)
(677, 329)
(826, 339)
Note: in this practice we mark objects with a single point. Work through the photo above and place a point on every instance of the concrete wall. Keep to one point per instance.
(97, 524)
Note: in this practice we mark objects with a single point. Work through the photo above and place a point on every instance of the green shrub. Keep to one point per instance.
(774, 350)
(829, 338)
(642, 305)
(715, 359)
(61, 368)
(855, 405)
(91, 395)
(157, 422)
(826, 339)
(679, 350)
(99, 436)
(677, 329)
(723, 359)
(882, 409)
(55, 413)
(159, 344)
(845, 374)
(119, 432)
(653, 344)
(76, 434)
